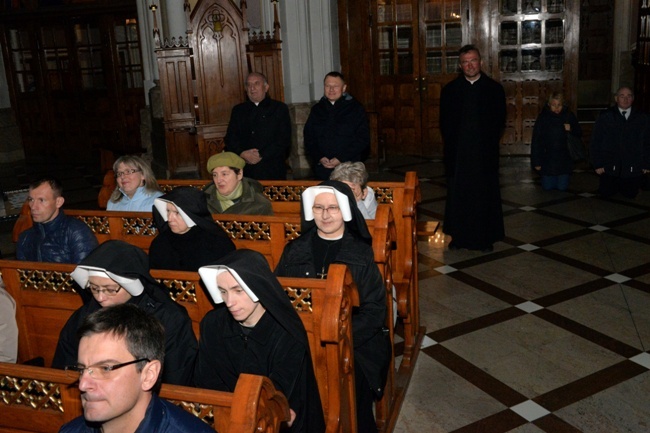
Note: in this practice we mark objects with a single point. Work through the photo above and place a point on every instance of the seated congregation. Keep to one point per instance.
(186, 240)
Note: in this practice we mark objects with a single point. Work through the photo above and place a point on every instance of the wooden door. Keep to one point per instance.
(417, 43)
(76, 82)
(533, 52)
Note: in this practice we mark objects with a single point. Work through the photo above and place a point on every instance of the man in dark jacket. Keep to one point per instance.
(620, 147)
(118, 273)
(333, 230)
(54, 237)
(337, 129)
(472, 118)
(260, 131)
(121, 355)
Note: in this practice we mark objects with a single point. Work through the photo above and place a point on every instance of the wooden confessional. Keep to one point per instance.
(202, 77)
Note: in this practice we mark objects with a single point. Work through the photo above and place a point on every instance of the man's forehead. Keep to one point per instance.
(99, 341)
(333, 81)
(254, 79)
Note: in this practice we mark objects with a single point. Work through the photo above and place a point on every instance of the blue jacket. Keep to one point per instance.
(161, 417)
(62, 240)
(142, 201)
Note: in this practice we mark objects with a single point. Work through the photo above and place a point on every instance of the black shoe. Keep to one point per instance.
(487, 249)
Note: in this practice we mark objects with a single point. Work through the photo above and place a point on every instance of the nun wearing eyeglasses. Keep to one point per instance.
(118, 273)
(333, 230)
(254, 329)
(188, 236)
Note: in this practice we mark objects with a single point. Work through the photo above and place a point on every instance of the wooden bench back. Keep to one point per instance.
(46, 296)
(285, 195)
(39, 399)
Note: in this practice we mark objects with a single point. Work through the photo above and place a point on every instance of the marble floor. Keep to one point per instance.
(548, 333)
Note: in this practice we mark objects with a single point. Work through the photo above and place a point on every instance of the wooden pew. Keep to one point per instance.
(269, 235)
(403, 198)
(39, 399)
(45, 298)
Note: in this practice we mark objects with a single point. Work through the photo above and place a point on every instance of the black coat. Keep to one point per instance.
(338, 131)
(265, 127)
(202, 244)
(276, 347)
(549, 145)
(131, 262)
(472, 118)
(372, 351)
(621, 147)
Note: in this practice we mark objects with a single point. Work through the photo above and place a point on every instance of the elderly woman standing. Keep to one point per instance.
(189, 237)
(136, 188)
(549, 153)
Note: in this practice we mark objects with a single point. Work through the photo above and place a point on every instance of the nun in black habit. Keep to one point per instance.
(118, 273)
(188, 236)
(256, 330)
(310, 255)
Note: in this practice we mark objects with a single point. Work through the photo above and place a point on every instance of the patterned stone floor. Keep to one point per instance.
(548, 333)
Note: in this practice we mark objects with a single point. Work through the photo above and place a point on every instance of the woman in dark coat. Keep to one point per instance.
(256, 331)
(117, 273)
(188, 236)
(334, 231)
(549, 153)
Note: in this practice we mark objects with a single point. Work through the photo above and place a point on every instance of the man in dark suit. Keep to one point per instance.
(260, 131)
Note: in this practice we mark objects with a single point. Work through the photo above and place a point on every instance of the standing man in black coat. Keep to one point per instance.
(337, 129)
(620, 147)
(260, 131)
(472, 118)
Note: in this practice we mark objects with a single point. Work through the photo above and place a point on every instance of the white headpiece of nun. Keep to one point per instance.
(161, 206)
(309, 195)
(82, 274)
(209, 276)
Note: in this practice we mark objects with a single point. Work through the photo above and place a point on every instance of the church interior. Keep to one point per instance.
(547, 333)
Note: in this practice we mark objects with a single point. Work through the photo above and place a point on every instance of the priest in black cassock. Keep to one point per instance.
(472, 118)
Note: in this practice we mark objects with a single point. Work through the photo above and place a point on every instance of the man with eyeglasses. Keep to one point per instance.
(334, 231)
(120, 359)
(620, 147)
(53, 237)
(117, 273)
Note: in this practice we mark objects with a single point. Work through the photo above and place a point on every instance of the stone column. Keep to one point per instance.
(147, 46)
(175, 23)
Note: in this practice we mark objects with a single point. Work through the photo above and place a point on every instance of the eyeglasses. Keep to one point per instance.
(128, 172)
(98, 372)
(332, 210)
(108, 291)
